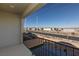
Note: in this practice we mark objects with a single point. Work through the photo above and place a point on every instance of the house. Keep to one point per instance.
(47, 29)
(68, 30)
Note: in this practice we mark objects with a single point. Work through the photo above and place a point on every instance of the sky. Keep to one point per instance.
(54, 15)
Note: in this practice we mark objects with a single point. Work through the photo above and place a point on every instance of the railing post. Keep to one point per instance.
(44, 47)
(46, 42)
(47, 48)
(65, 50)
(60, 50)
(55, 47)
(41, 48)
(73, 51)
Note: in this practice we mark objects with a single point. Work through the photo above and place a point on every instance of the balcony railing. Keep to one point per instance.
(46, 47)
(51, 48)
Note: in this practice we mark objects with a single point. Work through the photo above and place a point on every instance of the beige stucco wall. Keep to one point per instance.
(9, 29)
(68, 30)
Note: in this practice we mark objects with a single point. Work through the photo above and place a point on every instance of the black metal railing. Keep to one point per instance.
(51, 48)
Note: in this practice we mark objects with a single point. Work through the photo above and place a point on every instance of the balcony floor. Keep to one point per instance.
(17, 50)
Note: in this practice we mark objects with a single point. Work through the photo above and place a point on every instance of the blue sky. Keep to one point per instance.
(54, 15)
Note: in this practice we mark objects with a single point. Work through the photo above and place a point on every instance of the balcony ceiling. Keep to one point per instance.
(20, 8)
(17, 8)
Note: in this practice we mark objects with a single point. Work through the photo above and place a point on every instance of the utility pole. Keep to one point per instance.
(37, 22)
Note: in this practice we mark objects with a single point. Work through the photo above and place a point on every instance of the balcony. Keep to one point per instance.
(12, 17)
(44, 47)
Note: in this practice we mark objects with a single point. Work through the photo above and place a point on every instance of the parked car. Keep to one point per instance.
(29, 36)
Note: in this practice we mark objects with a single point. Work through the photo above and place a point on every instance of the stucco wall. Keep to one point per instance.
(9, 29)
(68, 30)
(47, 29)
